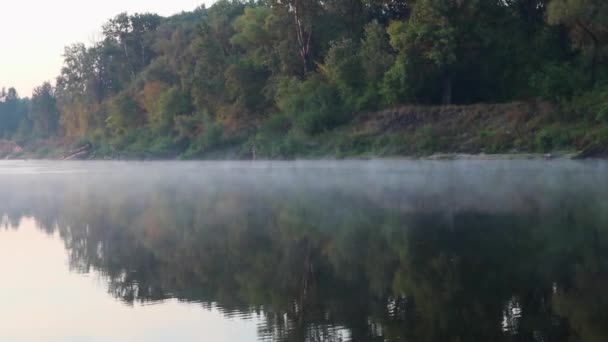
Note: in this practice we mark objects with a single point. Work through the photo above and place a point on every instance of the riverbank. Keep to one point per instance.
(505, 131)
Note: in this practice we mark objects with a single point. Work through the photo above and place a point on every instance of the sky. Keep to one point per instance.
(35, 32)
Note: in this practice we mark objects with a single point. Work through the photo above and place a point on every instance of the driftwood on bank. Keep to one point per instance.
(79, 153)
(592, 151)
(9, 148)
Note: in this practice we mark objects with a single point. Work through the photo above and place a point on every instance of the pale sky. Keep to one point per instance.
(34, 32)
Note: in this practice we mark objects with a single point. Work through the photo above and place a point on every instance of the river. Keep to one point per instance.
(380, 250)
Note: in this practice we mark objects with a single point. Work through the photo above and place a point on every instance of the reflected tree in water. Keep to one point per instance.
(334, 264)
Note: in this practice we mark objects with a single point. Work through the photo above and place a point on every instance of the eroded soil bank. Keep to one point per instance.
(507, 131)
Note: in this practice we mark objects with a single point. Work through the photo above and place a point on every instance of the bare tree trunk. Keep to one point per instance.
(303, 37)
(129, 64)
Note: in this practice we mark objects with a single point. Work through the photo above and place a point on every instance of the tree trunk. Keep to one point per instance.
(126, 49)
(594, 63)
(303, 35)
(447, 90)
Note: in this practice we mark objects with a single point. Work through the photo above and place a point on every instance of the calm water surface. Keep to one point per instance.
(304, 251)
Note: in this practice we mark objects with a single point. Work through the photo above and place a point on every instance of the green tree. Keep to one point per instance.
(132, 32)
(432, 34)
(43, 111)
(170, 104)
(253, 35)
(343, 68)
(304, 14)
(377, 57)
(588, 24)
(124, 115)
(13, 110)
(313, 105)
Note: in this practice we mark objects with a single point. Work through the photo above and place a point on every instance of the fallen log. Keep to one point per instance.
(79, 153)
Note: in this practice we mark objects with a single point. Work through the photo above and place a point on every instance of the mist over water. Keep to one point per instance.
(387, 250)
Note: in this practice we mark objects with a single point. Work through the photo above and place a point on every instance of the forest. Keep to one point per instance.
(296, 78)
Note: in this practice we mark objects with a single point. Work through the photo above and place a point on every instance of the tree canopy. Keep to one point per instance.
(240, 66)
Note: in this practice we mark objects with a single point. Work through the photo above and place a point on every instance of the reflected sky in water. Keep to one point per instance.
(304, 251)
(43, 301)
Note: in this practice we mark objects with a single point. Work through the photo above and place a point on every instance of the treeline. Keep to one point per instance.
(272, 72)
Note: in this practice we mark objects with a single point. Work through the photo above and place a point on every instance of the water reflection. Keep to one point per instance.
(337, 251)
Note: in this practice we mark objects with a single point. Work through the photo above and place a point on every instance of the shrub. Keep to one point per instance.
(557, 81)
(124, 115)
(212, 136)
(274, 143)
(163, 146)
(353, 144)
(313, 105)
(427, 140)
(554, 137)
(592, 105)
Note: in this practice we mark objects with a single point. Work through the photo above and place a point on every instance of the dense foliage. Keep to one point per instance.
(260, 72)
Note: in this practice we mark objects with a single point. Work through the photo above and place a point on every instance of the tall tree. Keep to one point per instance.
(588, 24)
(432, 35)
(132, 34)
(43, 111)
(303, 14)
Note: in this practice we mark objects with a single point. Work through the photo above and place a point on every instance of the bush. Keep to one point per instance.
(427, 140)
(163, 146)
(277, 144)
(124, 115)
(276, 124)
(43, 152)
(592, 105)
(494, 141)
(392, 144)
(557, 81)
(554, 137)
(170, 104)
(352, 145)
(313, 105)
(211, 137)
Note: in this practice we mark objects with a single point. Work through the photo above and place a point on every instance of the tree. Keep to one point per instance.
(433, 35)
(13, 110)
(376, 53)
(303, 13)
(80, 90)
(377, 57)
(313, 105)
(344, 69)
(213, 51)
(301, 65)
(252, 34)
(164, 106)
(588, 24)
(385, 11)
(124, 115)
(131, 33)
(43, 111)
